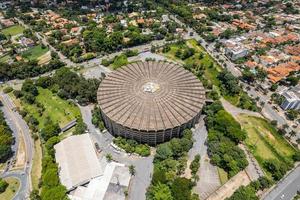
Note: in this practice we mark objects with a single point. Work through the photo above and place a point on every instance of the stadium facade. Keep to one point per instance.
(150, 102)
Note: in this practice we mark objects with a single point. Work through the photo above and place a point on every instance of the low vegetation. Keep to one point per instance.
(249, 192)
(8, 188)
(46, 106)
(131, 146)
(13, 30)
(3, 185)
(213, 77)
(97, 118)
(224, 134)
(6, 140)
(274, 154)
(169, 164)
(23, 70)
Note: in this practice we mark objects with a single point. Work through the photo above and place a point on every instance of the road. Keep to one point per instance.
(23, 175)
(287, 188)
(267, 109)
(143, 165)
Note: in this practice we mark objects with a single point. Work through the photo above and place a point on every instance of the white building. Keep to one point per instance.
(234, 49)
(292, 99)
(87, 177)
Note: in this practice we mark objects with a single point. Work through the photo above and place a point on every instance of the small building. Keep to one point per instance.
(292, 100)
(86, 176)
(235, 49)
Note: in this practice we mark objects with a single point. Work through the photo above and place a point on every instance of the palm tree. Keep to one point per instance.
(132, 170)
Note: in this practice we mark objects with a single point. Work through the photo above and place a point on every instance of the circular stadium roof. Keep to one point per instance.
(151, 96)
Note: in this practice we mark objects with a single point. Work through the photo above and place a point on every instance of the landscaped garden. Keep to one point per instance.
(34, 53)
(58, 110)
(11, 188)
(13, 30)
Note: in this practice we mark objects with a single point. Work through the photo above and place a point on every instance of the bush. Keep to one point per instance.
(8, 90)
(3, 185)
(131, 146)
(105, 62)
(195, 164)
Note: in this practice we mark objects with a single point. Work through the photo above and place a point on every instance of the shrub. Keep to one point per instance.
(3, 185)
(8, 90)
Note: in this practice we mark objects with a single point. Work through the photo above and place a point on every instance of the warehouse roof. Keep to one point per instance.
(77, 161)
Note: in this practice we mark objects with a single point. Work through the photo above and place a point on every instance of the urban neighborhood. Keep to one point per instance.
(149, 100)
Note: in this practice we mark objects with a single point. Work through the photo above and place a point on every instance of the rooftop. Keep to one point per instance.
(76, 154)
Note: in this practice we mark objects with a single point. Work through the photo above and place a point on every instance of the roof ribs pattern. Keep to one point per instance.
(173, 96)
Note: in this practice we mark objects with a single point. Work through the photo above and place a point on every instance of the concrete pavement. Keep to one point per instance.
(287, 188)
(143, 165)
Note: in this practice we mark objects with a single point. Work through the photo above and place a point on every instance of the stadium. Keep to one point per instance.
(150, 102)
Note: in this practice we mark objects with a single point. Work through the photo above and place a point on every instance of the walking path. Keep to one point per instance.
(230, 186)
(209, 178)
(235, 111)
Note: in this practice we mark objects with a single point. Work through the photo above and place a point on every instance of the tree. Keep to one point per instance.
(109, 157)
(163, 152)
(3, 185)
(80, 127)
(34, 195)
(181, 189)
(132, 170)
(159, 192)
(292, 114)
(245, 193)
(195, 164)
(50, 129)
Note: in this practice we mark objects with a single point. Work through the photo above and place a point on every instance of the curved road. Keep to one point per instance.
(21, 130)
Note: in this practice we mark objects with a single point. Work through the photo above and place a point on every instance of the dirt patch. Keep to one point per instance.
(21, 155)
(44, 59)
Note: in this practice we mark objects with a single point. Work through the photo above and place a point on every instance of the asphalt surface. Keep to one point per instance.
(143, 165)
(19, 127)
(287, 188)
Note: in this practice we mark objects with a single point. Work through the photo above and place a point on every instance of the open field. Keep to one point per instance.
(36, 171)
(11, 190)
(4, 59)
(35, 52)
(13, 30)
(45, 58)
(222, 175)
(59, 110)
(264, 141)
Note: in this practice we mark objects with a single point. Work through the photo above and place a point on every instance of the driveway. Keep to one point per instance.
(143, 165)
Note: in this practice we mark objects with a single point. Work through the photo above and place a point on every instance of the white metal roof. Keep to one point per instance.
(77, 160)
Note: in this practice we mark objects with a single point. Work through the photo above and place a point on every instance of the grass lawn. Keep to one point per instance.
(35, 52)
(59, 110)
(234, 100)
(222, 175)
(13, 30)
(36, 171)
(210, 73)
(4, 59)
(264, 141)
(11, 190)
